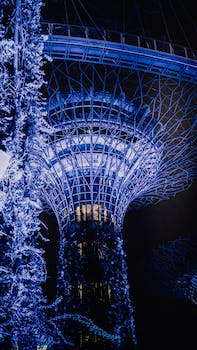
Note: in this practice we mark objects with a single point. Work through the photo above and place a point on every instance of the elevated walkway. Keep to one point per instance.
(128, 51)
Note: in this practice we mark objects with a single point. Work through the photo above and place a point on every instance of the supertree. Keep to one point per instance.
(171, 269)
(122, 115)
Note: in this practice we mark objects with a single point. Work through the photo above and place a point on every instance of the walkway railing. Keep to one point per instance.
(112, 36)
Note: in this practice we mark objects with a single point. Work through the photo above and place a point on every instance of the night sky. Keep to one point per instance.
(162, 322)
(170, 20)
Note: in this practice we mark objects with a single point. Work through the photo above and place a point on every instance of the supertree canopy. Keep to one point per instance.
(119, 134)
(171, 269)
(175, 266)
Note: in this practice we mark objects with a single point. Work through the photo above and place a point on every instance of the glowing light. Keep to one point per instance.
(121, 133)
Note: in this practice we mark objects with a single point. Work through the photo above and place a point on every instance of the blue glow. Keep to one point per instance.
(22, 266)
(119, 134)
(106, 153)
(71, 42)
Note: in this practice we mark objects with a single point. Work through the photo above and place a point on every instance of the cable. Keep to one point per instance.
(90, 17)
(189, 16)
(179, 22)
(66, 11)
(139, 19)
(78, 15)
(124, 16)
(164, 21)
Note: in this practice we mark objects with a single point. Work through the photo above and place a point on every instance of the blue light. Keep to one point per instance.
(119, 134)
(112, 149)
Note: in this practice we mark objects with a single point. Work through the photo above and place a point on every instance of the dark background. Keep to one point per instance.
(170, 20)
(162, 321)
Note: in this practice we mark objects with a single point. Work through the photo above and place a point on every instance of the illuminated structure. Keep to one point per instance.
(121, 111)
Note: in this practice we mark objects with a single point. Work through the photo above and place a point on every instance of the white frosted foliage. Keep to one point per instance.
(4, 162)
(2, 199)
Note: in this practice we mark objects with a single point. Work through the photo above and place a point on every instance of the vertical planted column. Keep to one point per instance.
(22, 273)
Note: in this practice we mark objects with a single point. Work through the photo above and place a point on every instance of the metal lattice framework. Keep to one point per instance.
(120, 137)
(122, 133)
(97, 158)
